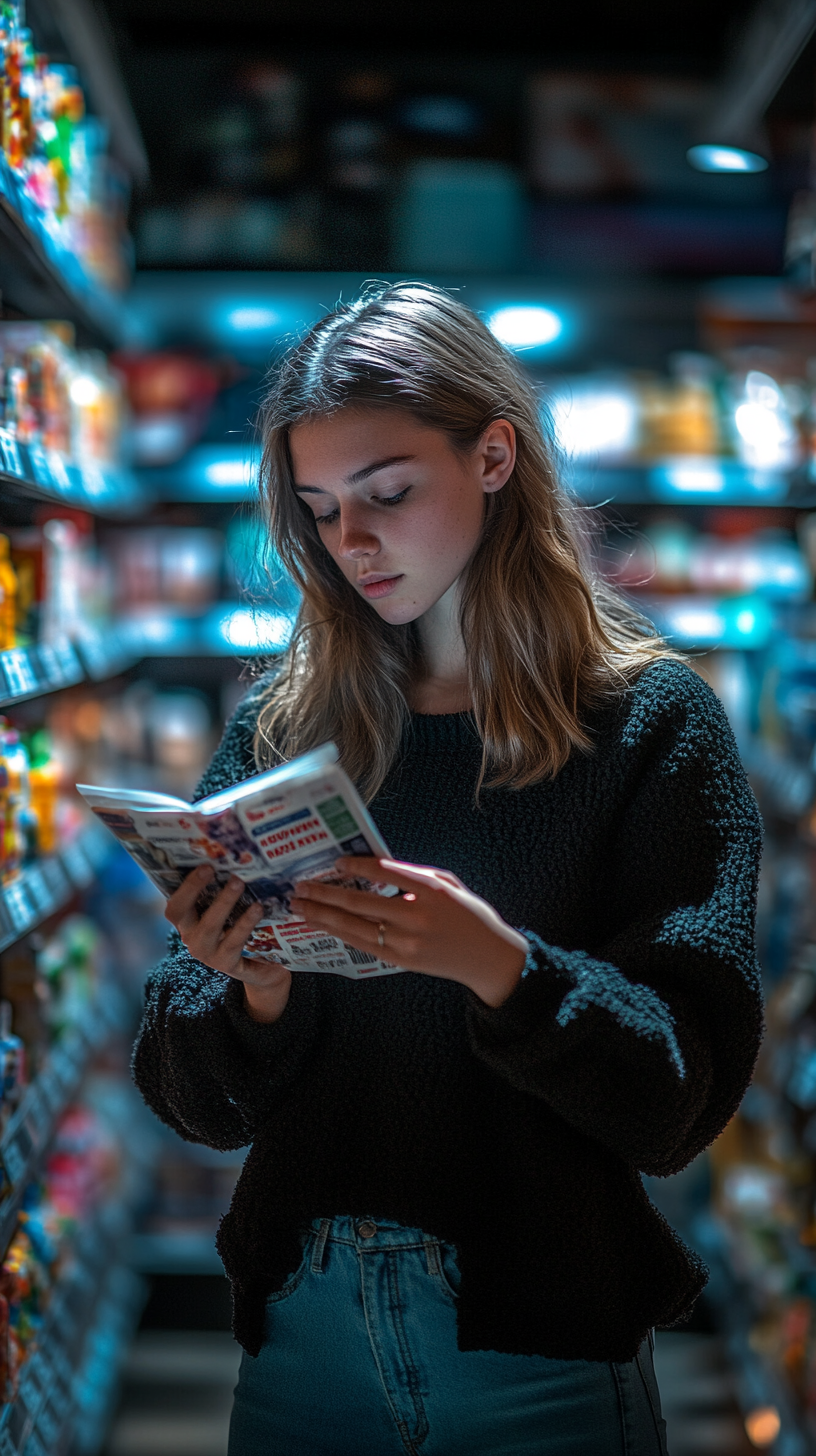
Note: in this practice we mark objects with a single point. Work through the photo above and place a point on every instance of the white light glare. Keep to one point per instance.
(525, 326)
(725, 159)
(768, 437)
(258, 629)
(85, 389)
(251, 317)
(227, 472)
(595, 421)
(695, 476)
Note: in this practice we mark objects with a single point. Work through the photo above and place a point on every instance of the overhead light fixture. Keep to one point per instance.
(730, 137)
(525, 325)
(707, 158)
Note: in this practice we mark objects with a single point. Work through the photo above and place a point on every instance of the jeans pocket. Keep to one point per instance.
(288, 1288)
(445, 1268)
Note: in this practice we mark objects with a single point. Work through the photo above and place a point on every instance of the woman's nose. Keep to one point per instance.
(356, 541)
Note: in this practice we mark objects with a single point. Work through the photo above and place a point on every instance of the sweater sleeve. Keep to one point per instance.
(647, 1043)
(203, 1065)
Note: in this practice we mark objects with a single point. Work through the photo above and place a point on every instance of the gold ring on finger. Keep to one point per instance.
(381, 935)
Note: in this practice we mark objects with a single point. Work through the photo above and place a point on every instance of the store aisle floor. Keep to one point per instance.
(178, 1384)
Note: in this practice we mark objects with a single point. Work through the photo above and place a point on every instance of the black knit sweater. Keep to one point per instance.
(518, 1133)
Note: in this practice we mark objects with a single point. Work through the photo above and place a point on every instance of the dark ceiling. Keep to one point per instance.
(693, 35)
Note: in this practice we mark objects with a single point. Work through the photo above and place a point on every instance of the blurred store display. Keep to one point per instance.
(65, 196)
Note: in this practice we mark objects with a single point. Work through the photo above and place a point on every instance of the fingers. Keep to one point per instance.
(181, 904)
(212, 921)
(234, 939)
(360, 932)
(365, 903)
(394, 872)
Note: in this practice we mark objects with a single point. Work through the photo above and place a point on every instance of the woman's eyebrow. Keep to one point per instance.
(377, 465)
(358, 475)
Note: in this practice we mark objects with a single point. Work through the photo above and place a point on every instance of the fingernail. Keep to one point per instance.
(235, 881)
(204, 870)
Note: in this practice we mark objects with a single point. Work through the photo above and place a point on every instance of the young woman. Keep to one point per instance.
(440, 1242)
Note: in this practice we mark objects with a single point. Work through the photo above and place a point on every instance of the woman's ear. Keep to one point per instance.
(496, 453)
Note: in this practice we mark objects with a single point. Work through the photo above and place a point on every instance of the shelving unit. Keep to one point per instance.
(41, 278)
(32, 1128)
(691, 480)
(30, 672)
(44, 887)
(44, 475)
(92, 1310)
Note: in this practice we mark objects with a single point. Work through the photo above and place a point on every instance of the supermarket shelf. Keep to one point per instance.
(225, 472)
(41, 888)
(229, 472)
(42, 278)
(29, 672)
(30, 471)
(227, 629)
(106, 1345)
(692, 481)
(72, 1373)
(26, 672)
(34, 1123)
(702, 622)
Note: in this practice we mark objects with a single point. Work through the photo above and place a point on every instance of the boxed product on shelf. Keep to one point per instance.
(30, 780)
(57, 398)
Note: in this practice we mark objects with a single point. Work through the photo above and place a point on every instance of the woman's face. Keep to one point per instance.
(396, 507)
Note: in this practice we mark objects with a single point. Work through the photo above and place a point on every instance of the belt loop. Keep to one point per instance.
(432, 1255)
(319, 1249)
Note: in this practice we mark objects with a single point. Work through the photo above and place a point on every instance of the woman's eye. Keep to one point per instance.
(380, 500)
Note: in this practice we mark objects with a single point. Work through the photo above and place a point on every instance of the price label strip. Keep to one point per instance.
(40, 468)
(10, 454)
(19, 677)
(38, 890)
(59, 475)
(20, 911)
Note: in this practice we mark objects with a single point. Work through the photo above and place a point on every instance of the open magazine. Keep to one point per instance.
(291, 823)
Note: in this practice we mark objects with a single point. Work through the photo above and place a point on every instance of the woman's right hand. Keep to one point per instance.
(266, 983)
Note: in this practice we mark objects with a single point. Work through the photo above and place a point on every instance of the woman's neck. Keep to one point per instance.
(444, 686)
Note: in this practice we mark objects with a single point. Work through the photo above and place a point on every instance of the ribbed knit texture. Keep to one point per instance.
(518, 1134)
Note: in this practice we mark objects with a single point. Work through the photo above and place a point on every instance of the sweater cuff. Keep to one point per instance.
(271, 1038)
(536, 997)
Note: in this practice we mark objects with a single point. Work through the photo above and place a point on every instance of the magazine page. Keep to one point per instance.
(287, 827)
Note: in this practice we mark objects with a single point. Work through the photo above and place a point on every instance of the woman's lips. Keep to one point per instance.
(381, 588)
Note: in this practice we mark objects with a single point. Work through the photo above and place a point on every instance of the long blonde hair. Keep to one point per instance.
(545, 637)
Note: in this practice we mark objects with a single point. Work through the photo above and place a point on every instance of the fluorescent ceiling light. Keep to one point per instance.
(525, 326)
(708, 158)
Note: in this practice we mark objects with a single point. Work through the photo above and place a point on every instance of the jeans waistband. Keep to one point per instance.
(367, 1233)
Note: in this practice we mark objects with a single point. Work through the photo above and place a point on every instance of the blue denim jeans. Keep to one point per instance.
(360, 1359)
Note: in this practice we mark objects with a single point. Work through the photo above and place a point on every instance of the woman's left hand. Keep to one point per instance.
(436, 926)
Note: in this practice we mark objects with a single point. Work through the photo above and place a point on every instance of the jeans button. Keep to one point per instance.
(367, 1229)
